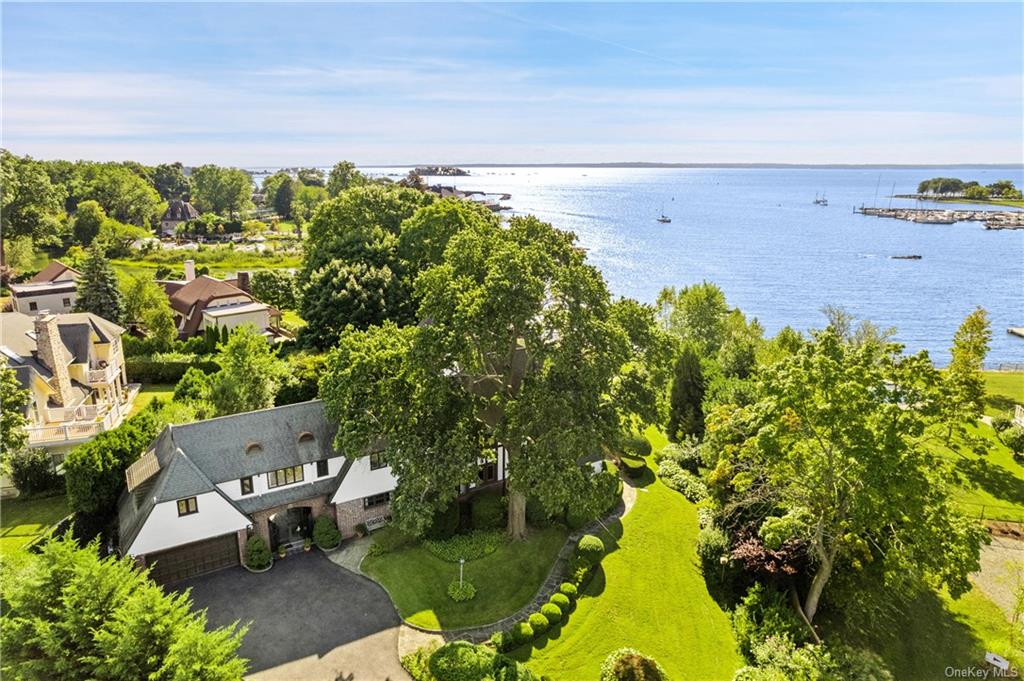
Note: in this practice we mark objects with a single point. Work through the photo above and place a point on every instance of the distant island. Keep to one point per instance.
(448, 171)
(1002, 192)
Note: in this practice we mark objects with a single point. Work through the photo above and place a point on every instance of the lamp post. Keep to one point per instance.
(462, 562)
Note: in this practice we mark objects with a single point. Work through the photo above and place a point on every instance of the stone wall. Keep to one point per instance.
(351, 513)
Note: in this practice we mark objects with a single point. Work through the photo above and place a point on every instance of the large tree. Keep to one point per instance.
(311, 177)
(697, 314)
(305, 201)
(31, 203)
(686, 411)
(344, 176)
(283, 196)
(98, 290)
(122, 193)
(519, 340)
(250, 372)
(833, 450)
(225, 191)
(73, 616)
(275, 287)
(13, 424)
(170, 181)
(424, 236)
(963, 383)
(341, 294)
(89, 217)
(146, 302)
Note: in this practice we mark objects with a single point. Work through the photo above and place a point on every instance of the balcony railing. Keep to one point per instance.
(105, 375)
(77, 424)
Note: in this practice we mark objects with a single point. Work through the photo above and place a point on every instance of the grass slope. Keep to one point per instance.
(22, 520)
(505, 581)
(649, 595)
(148, 393)
(1005, 388)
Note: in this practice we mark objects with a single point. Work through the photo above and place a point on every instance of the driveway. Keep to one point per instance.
(310, 620)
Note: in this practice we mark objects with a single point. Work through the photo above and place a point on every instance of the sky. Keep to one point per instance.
(398, 83)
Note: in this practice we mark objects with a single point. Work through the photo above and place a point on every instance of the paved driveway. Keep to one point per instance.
(310, 620)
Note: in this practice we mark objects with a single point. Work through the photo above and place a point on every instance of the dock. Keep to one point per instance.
(1016, 331)
(992, 219)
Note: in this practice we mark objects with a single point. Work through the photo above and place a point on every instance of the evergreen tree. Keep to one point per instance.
(686, 415)
(963, 384)
(98, 290)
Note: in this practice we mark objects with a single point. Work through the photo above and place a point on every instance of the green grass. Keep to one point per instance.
(220, 259)
(935, 632)
(1005, 388)
(148, 393)
(22, 520)
(650, 595)
(505, 581)
(1016, 203)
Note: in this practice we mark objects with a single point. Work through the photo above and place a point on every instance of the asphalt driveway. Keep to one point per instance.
(309, 620)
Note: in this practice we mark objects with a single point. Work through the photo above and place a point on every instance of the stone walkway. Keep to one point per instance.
(350, 554)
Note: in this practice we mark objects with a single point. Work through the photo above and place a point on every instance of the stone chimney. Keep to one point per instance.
(190, 270)
(243, 281)
(51, 353)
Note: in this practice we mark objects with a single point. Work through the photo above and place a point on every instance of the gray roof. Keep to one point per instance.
(179, 211)
(195, 457)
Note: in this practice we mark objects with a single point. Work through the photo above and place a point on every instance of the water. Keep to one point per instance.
(757, 235)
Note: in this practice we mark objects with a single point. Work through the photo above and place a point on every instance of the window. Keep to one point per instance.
(376, 500)
(187, 506)
(377, 461)
(489, 472)
(246, 485)
(67, 302)
(321, 468)
(33, 306)
(284, 476)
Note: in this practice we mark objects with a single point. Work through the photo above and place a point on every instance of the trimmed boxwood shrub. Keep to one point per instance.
(561, 601)
(325, 532)
(635, 445)
(257, 553)
(488, 511)
(461, 592)
(1013, 438)
(538, 622)
(590, 550)
(522, 632)
(503, 641)
(627, 664)
(569, 590)
(633, 466)
(552, 612)
(461, 661)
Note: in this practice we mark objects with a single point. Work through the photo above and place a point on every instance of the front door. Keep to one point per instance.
(289, 527)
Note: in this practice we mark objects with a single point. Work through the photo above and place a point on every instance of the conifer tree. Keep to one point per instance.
(686, 413)
(98, 290)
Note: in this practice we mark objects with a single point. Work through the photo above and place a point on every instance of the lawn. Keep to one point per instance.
(1005, 388)
(505, 581)
(148, 393)
(649, 595)
(22, 520)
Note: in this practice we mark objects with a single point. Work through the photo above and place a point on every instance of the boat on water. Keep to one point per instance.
(664, 219)
(820, 201)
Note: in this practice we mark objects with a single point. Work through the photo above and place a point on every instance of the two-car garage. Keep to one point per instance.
(197, 558)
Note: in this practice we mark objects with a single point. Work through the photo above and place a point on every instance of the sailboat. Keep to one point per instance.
(820, 201)
(664, 219)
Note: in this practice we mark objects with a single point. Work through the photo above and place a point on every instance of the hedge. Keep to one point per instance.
(561, 601)
(634, 466)
(148, 371)
(569, 590)
(539, 623)
(552, 613)
(590, 550)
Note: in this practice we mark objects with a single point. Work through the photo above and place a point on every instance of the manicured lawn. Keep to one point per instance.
(936, 632)
(1005, 388)
(505, 581)
(148, 393)
(649, 595)
(22, 520)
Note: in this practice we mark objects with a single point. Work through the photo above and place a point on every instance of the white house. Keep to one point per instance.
(53, 289)
(193, 499)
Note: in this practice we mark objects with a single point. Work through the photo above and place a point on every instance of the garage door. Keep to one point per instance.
(194, 559)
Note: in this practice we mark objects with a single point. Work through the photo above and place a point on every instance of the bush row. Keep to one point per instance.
(466, 546)
(151, 371)
(685, 482)
(551, 613)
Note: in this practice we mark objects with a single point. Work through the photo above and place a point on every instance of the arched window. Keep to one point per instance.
(306, 437)
(253, 448)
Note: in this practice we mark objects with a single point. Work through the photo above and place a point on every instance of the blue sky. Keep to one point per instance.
(289, 84)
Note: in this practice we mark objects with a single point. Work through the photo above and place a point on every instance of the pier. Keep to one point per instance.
(992, 219)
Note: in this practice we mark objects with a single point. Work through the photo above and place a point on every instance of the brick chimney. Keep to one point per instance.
(190, 270)
(51, 353)
(243, 281)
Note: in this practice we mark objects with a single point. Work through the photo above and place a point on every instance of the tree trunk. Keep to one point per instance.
(817, 586)
(516, 515)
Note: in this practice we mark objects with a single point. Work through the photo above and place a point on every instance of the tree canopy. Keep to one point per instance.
(13, 435)
(31, 203)
(250, 372)
(98, 289)
(344, 176)
(171, 183)
(221, 190)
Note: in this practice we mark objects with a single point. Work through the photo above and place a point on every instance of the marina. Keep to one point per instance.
(992, 219)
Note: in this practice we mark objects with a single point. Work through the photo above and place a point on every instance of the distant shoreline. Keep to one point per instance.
(643, 164)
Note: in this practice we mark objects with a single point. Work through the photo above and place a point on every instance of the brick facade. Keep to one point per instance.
(317, 505)
(351, 513)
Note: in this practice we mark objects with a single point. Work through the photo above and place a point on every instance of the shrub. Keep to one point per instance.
(778, 658)
(522, 632)
(193, 385)
(388, 539)
(590, 550)
(608, 488)
(635, 445)
(1001, 423)
(32, 471)
(633, 466)
(552, 612)
(763, 613)
(712, 544)
(461, 661)
(686, 453)
(538, 622)
(569, 590)
(488, 511)
(468, 546)
(151, 371)
(536, 514)
(417, 663)
(685, 482)
(257, 553)
(579, 514)
(705, 516)
(460, 592)
(503, 641)
(627, 664)
(1013, 438)
(325, 532)
(445, 523)
(561, 601)
(361, 529)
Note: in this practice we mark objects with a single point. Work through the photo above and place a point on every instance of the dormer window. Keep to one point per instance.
(253, 448)
(306, 437)
(377, 461)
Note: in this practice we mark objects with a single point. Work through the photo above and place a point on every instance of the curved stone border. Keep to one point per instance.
(417, 636)
(259, 572)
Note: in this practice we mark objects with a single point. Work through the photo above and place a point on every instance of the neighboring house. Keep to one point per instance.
(73, 366)
(202, 302)
(53, 289)
(178, 212)
(202, 488)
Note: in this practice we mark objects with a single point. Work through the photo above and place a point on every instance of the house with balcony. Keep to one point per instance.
(54, 288)
(203, 488)
(73, 367)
